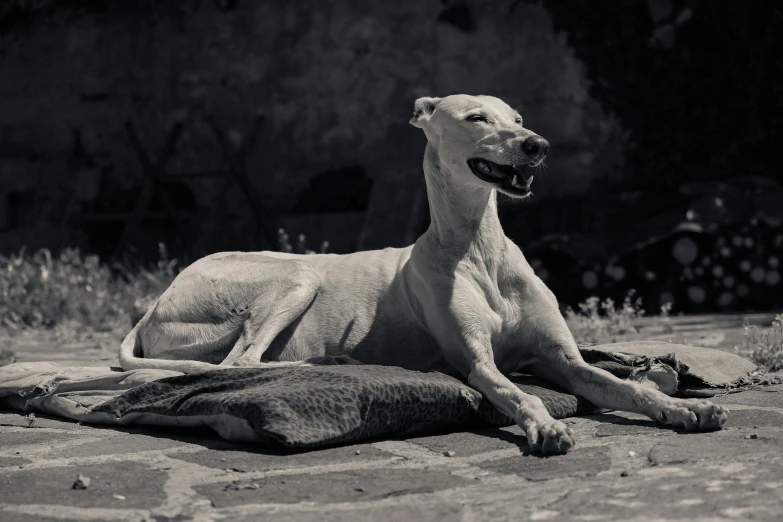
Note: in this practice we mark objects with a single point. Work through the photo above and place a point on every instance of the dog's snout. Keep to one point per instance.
(535, 147)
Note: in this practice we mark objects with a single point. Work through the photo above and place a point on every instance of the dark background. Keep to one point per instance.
(210, 124)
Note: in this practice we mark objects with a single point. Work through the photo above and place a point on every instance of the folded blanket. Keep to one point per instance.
(311, 406)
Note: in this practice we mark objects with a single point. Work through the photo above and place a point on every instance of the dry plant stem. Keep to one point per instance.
(764, 346)
(602, 321)
(75, 292)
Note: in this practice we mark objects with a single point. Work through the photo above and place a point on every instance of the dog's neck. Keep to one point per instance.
(463, 219)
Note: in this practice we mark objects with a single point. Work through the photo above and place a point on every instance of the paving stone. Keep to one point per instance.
(34, 436)
(263, 458)
(676, 493)
(20, 419)
(609, 430)
(768, 396)
(612, 424)
(442, 512)
(690, 447)
(141, 486)
(750, 418)
(471, 443)
(579, 462)
(360, 485)
(114, 443)
(10, 516)
(12, 462)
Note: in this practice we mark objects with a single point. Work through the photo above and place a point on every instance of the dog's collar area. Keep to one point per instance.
(511, 179)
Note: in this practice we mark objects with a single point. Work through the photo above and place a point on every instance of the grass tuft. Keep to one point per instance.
(44, 291)
(284, 244)
(75, 293)
(599, 321)
(764, 346)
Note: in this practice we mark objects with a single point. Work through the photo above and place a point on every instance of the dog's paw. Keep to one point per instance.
(692, 414)
(550, 437)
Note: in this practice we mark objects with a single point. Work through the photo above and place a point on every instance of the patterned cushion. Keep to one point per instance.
(336, 401)
(324, 405)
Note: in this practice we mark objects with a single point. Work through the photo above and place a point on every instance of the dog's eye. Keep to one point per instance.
(476, 117)
(518, 120)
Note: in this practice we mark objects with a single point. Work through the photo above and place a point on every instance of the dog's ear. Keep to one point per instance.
(422, 110)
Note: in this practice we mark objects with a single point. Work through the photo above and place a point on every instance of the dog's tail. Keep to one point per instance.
(132, 356)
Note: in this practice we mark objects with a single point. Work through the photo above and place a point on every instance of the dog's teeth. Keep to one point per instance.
(514, 180)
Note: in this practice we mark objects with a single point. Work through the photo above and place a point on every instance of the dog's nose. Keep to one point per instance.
(535, 147)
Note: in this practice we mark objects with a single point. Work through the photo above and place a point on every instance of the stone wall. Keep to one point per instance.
(335, 80)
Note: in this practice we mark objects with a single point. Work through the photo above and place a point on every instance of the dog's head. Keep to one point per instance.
(481, 141)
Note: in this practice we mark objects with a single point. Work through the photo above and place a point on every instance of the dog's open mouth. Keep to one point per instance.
(511, 179)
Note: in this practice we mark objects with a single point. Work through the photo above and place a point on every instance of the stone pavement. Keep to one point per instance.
(624, 467)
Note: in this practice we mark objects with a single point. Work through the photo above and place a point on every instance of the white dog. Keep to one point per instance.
(462, 299)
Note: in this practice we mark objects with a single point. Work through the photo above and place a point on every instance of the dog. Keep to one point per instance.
(463, 299)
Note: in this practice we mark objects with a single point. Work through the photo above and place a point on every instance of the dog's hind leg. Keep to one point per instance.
(271, 313)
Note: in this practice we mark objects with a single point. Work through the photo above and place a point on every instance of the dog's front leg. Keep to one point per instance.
(545, 435)
(467, 346)
(604, 389)
(562, 363)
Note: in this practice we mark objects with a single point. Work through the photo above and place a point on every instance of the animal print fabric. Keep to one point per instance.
(323, 405)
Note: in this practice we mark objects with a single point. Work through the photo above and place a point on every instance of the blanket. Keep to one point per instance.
(314, 406)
